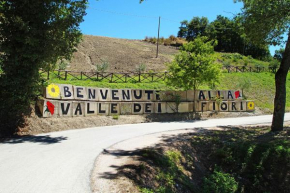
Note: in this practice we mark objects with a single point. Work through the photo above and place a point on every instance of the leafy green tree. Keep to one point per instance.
(194, 65)
(267, 21)
(196, 27)
(183, 29)
(279, 54)
(33, 35)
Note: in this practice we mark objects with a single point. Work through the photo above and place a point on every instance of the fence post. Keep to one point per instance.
(112, 77)
(48, 75)
(65, 75)
(152, 77)
(81, 75)
(165, 75)
(125, 78)
(139, 77)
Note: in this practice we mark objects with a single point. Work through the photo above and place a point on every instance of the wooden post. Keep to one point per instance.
(48, 75)
(158, 38)
(81, 75)
(112, 77)
(65, 75)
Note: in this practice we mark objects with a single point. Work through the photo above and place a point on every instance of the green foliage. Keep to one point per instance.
(62, 65)
(170, 171)
(116, 117)
(279, 54)
(194, 65)
(220, 182)
(101, 68)
(33, 35)
(141, 68)
(270, 17)
(228, 32)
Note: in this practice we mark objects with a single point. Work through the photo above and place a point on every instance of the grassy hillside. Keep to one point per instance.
(123, 56)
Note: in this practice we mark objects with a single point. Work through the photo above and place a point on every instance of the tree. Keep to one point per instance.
(183, 29)
(267, 21)
(279, 54)
(194, 65)
(196, 27)
(33, 35)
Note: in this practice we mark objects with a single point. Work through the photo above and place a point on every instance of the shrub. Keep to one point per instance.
(141, 68)
(102, 67)
(220, 182)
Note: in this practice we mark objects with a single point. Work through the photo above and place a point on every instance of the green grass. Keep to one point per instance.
(261, 89)
(235, 59)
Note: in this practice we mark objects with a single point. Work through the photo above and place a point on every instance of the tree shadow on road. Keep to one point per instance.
(45, 140)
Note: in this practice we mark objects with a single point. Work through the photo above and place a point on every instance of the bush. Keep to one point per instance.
(102, 67)
(220, 182)
(141, 68)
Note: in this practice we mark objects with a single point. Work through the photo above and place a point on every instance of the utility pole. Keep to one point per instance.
(158, 38)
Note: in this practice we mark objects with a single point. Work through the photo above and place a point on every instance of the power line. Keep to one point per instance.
(126, 14)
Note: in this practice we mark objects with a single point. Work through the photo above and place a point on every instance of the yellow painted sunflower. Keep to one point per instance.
(53, 90)
(251, 105)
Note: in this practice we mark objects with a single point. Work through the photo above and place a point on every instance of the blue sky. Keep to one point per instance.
(131, 20)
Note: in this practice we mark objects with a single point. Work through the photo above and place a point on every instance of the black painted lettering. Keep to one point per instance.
(148, 108)
(67, 93)
(114, 108)
(64, 111)
(114, 93)
(201, 95)
(137, 108)
(157, 94)
(137, 96)
(202, 106)
(224, 106)
(149, 94)
(79, 90)
(104, 95)
(78, 110)
(230, 95)
(234, 106)
(159, 108)
(209, 94)
(92, 93)
(126, 94)
(242, 108)
(100, 109)
(88, 109)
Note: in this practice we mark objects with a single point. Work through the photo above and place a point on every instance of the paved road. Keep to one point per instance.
(62, 161)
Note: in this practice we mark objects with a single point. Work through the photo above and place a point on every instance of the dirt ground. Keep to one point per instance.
(96, 49)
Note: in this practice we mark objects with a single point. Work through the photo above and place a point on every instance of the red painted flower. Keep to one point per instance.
(237, 94)
(50, 107)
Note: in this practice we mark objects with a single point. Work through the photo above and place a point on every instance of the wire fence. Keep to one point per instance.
(135, 77)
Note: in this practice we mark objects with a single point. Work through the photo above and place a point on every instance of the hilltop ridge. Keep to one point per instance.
(123, 55)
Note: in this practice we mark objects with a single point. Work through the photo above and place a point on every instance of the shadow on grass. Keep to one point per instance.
(181, 163)
(45, 140)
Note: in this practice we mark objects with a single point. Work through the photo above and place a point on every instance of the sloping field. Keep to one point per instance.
(123, 55)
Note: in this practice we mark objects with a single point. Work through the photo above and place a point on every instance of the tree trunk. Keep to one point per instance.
(280, 95)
